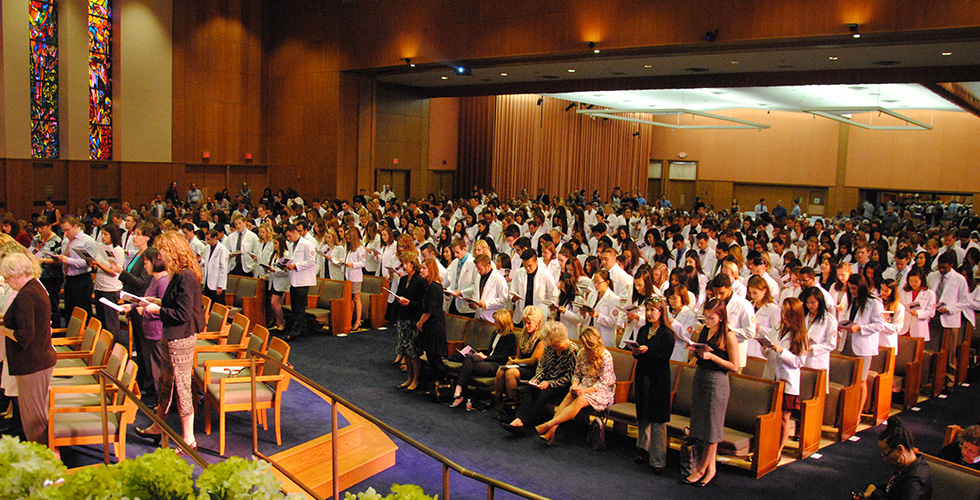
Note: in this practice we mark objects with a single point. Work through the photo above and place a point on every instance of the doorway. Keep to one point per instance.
(398, 181)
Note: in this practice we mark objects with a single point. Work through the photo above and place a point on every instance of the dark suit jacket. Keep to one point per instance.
(137, 281)
(506, 347)
(29, 316)
(414, 291)
(653, 374)
(181, 309)
(911, 483)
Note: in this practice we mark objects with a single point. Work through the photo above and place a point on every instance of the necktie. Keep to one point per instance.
(66, 253)
(941, 287)
(238, 248)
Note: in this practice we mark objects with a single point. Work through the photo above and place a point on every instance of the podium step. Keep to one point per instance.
(363, 451)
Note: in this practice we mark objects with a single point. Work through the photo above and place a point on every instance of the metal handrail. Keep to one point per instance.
(165, 429)
(447, 464)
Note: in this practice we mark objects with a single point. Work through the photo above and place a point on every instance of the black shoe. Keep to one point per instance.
(685, 480)
(517, 430)
(289, 337)
(155, 438)
(641, 457)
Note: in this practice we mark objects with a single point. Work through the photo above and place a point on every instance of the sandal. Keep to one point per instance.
(456, 402)
(180, 451)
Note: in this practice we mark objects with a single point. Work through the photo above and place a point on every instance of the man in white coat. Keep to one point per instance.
(242, 245)
(741, 314)
(489, 290)
(215, 269)
(302, 275)
(532, 286)
(952, 298)
(622, 282)
(459, 280)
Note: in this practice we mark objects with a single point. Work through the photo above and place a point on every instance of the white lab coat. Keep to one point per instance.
(494, 295)
(865, 341)
(823, 340)
(918, 326)
(216, 270)
(545, 290)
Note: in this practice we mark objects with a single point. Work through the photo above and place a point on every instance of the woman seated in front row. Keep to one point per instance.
(503, 346)
(551, 379)
(593, 384)
(529, 351)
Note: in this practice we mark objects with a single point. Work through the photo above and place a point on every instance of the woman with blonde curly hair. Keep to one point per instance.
(182, 314)
(593, 384)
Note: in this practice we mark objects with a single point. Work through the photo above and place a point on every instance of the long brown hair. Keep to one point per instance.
(792, 318)
(718, 307)
(433, 268)
(177, 253)
(594, 353)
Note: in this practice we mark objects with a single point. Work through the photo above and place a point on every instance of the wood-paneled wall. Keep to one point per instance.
(217, 81)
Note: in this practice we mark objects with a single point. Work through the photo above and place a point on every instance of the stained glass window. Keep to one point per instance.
(100, 79)
(44, 78)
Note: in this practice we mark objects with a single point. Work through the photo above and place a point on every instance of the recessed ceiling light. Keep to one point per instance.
(595, 51)
(734, 62)
(832, 58)
(445, 78)
(571, 71)
(503, 74)
(647, 65)
(947, 53)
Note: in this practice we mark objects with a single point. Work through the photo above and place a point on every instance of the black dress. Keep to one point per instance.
(432, 338)
(653, 374)
(710, 396)
(408, 316)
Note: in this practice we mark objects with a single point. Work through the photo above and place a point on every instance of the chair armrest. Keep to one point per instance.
(87, 409)
(59, 330)
(66, 341)
(71, 371)
(622, 391)
(75, 354)
(229, 299)
(211, 335)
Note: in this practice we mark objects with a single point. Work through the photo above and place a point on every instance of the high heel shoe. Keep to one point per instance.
(546, 438)
(155, 437)
(456, 402)
(685, 480)
(701, 483)
(180, 451)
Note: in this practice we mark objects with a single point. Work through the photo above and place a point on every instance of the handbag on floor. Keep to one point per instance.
(690, 455)
(597, 432)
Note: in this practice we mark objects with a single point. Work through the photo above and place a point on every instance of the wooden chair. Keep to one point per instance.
(248, 298)
(96, 357)
(334, 306)
(76, 324)
(813, 398)
(231, 286)
(234, 335)
(211, 358)
(114, 363)
(82, 343)
(456, 327)
(908, 369)
(753, 422)
(880, 380)
(841, 408)
(216, 328)
(234, 393)
(71, 423)
(206, 303)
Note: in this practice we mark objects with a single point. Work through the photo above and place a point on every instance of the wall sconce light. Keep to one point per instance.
(570, 106)
(591, 46)
(711, 35)
(408, 61)
(540, 100)
(854, 29)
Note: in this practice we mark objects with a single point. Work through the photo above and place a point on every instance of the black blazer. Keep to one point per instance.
(136, 282)
(911, 483)
(181, 309)
(506, 347)
(653, 374)
(414, 291)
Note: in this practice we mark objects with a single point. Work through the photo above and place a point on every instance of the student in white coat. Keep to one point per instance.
(821, 327)
(354, 261)
(919, 303)
(460, 278)
(490, 290)
(601, 309)
(862, 320)
(636, 318)
(741, 314)
(682, 319)
(952, 298)
(243, 247)
(564, 310)
(786, 350)
(215, 269)
(531, 286)
(301, 277)
(622, 282)
(766, 312)
(894, 315)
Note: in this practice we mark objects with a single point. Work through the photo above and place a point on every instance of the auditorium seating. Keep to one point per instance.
(813, 398)
(963, 351)
(246, 295)
(74, 330)
(374, 300)
(95, 357)
(80, 343)
(951, 481)
(908, 369)
(935, 357)
(841, 409)
(880, 384)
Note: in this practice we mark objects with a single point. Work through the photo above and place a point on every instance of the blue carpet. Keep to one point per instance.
(357, 368)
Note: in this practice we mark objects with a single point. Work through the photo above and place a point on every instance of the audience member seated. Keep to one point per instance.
(551, 380)
(911, 478)
(503, 347)
(965, 450)
(593, 383)
(519, 367)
